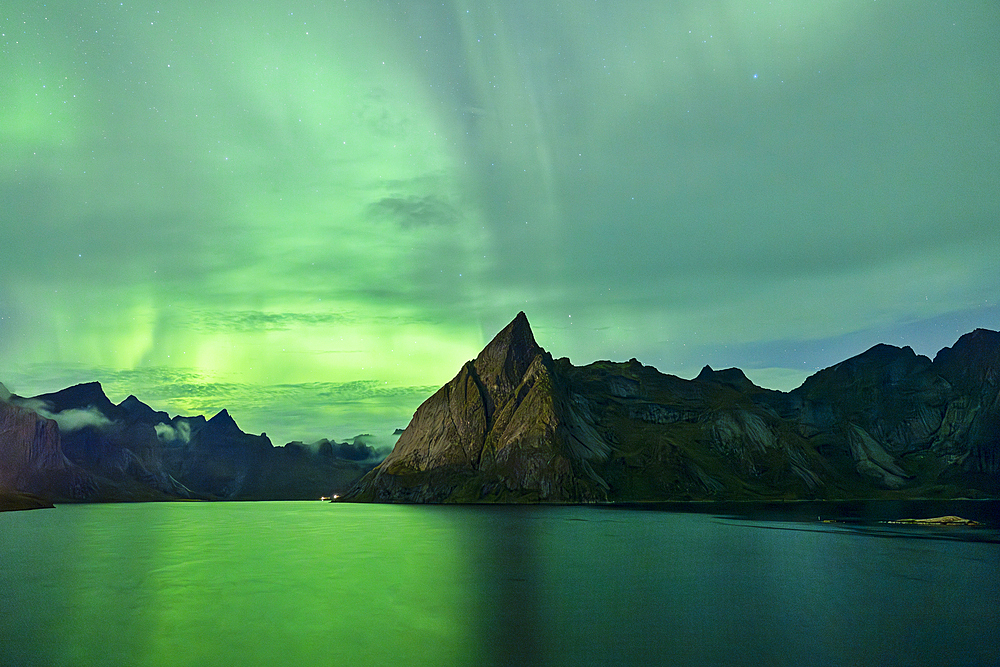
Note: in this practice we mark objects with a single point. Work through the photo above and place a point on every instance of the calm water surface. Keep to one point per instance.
(340, 584)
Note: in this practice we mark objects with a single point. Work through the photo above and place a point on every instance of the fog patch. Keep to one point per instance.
(68, 421)
(179, 432)
(360, 449)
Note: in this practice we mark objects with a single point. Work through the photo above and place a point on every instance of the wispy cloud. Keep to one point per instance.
(70, 420)
(168, 433)
(415, 211)
(256, 320)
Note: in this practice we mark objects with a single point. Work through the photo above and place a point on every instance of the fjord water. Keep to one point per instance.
(281, 583)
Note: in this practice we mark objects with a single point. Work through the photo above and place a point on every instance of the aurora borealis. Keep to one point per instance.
(313, 213)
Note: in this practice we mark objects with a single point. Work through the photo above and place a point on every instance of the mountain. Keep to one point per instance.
(32, 455)
(76, 445)
(500, 426)
(516, 425)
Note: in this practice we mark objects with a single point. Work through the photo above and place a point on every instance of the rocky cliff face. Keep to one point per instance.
(497, 427)
(113, 452)
(32, 460)
(970, 424)
(516, 425)
(30, 448)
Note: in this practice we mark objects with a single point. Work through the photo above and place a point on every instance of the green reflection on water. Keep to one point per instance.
(320, 584)
(242, 583)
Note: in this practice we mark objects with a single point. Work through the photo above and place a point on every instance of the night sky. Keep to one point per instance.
(313, 214)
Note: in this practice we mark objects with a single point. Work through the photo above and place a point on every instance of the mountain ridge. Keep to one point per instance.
(76, 445)
(516, 425)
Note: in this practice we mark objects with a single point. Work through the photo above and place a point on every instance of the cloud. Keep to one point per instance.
(359, 450)
(415, 211)
(76, 419)
(33, 404)
(256, 320)
(353, 451)
(371, 442)
(70, 420)
(168, 433)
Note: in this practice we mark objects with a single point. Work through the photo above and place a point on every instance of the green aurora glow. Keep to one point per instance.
(313, 213)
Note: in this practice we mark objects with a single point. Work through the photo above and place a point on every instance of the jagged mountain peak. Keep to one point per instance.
(974, 357)
(881, 363)
(499, 419)
(132, 403)
(515, 344)
(733, 377)
(223, 420)
(136, 410)
(503, 363)
(85, 395)
(981, 342)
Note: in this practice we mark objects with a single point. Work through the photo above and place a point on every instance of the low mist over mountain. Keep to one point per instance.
(517, 425)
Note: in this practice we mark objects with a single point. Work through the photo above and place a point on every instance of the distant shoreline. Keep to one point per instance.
(15, 501)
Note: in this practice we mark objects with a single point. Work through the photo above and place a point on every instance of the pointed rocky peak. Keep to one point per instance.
(221, 427)
(981, 343)
(731, 377)
(879, 365)
(133, 405)
(975, 356)
(510, 351)
(136, 410)
(223, 422)
(81, 396)
(4, 393)
(221, 431)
